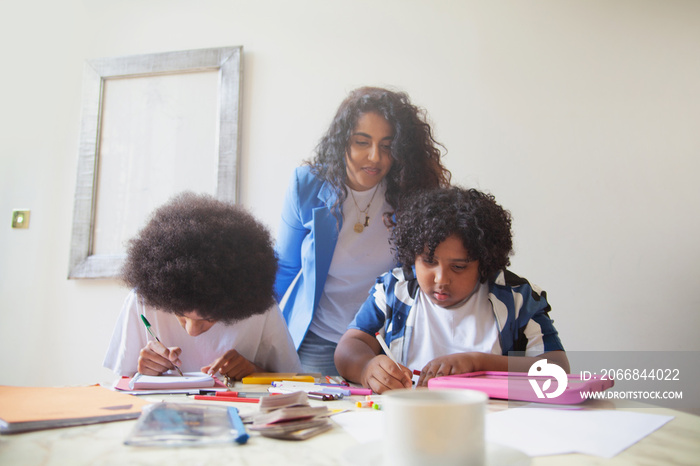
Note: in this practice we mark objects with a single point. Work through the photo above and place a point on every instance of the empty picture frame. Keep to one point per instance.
(152, 126)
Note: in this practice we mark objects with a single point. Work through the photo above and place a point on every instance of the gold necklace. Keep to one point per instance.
(359, 226)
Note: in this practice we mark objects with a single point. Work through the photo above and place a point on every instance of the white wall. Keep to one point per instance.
(580, 116)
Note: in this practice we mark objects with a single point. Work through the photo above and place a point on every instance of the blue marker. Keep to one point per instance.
(237, 424)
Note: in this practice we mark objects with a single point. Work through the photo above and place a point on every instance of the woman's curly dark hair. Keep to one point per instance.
(200, 254)
(426, 219)
(416, 157)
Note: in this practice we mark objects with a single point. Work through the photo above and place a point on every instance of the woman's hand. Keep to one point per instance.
(458, 363)
(154, 358)
(382, 374)
(233, 365)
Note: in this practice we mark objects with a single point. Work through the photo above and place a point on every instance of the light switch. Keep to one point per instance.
(20, 219)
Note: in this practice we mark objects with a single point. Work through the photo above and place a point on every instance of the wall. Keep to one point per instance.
(580, 116)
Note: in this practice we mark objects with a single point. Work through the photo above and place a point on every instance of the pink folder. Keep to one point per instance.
(519, 386)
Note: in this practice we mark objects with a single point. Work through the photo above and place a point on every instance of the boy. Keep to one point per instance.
(201, 272)
(453, 307)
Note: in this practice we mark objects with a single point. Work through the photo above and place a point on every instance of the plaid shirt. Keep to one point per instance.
(520, 309)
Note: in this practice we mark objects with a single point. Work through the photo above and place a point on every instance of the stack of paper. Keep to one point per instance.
(290, 417)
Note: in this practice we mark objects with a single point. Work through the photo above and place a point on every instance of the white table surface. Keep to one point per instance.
(676, 443)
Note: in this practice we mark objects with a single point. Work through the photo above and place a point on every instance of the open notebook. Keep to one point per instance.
(170, 381)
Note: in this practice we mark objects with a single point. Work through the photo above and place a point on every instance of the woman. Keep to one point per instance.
(333, 239)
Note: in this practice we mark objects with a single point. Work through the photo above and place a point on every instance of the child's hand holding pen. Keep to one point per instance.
(381, 374)
(155, 358)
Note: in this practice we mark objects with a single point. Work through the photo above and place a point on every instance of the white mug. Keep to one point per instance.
(434, 427)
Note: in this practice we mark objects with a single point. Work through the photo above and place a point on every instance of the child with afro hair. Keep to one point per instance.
(453, 307)
(202, 273)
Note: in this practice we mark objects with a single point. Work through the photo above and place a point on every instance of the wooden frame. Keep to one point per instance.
(226, 61)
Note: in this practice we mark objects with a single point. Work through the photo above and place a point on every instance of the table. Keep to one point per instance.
(676, 443)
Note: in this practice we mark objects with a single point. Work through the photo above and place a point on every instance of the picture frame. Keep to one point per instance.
(132, 109)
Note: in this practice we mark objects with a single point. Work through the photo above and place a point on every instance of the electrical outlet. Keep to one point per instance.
(20, 219)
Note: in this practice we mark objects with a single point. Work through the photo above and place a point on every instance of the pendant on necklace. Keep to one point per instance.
(359, 227)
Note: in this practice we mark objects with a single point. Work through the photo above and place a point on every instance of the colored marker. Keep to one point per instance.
(337, 380)
(237, 423)
(227, 398)
(148, 327)
(320, 396)
(360, 391)
(311, 387)
(329, 396)
(240, 394)
(352, 390)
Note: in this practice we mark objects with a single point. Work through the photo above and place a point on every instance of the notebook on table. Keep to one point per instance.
(168, 383)
(24, 409)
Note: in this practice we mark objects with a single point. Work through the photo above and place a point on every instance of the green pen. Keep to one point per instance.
(148, 327)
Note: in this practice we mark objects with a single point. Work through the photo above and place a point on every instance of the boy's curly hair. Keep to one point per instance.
(427, 218)
(416, 155)
(200, 254)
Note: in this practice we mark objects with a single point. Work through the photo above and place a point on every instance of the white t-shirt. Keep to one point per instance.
(438, 331)
(359, 258)
(262, 339)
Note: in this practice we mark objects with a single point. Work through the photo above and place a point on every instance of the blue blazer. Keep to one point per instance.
(306, 240)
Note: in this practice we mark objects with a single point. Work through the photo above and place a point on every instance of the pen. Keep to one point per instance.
(148, 327)
(386, 349)
(239, 399)
(239, 394)
(237, 424)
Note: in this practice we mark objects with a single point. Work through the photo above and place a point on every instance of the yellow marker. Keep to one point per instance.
(264, 378)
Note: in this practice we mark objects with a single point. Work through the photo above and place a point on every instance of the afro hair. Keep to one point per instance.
(201, 254)
(427, 218)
